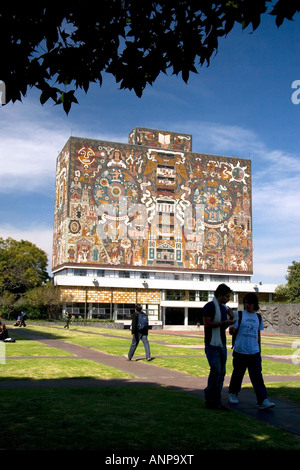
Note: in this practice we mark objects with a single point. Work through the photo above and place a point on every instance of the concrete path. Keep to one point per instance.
(284, 415)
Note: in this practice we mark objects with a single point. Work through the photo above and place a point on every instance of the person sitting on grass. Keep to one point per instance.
(3, 332)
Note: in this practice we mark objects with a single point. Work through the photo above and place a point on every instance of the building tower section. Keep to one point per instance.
(152, 204)
(146, 210)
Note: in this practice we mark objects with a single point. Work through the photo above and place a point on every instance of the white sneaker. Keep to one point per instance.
(266, 404)
(233, 399)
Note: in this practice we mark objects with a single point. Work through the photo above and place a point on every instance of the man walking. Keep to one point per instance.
(216, 319)
(23, 315)
(139, 331)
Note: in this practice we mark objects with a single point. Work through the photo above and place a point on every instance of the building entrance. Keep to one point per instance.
(174, 316)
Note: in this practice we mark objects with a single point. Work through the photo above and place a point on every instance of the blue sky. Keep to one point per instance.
(241, 105)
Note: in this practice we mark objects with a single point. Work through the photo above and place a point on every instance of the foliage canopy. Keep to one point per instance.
(53, 48)
(23, 266)
(290, 292)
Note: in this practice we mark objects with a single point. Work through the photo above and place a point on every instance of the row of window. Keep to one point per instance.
(150, 275)
(186, 295)
(107, 311)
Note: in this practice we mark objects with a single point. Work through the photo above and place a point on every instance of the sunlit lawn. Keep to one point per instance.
(196, 364)
(106, 341)
(57, 368)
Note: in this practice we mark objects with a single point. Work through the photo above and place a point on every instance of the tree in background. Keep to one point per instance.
(290, 292)
(134, 40)
(44, 301)
(7, 304)
(23, 266)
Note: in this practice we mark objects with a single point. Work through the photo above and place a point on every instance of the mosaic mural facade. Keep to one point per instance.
(152, 204)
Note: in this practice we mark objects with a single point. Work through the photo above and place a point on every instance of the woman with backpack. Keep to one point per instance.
(247, 353)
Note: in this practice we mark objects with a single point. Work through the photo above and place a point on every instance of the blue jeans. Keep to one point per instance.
(217, 357)
(136, 338)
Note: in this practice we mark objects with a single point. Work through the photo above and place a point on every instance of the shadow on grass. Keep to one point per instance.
(110, 416)
(11, 383)
(26, 333)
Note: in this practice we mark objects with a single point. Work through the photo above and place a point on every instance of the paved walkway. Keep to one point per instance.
(284, 415)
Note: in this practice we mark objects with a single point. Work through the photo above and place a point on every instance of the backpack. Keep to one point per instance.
(234, 335)
(142, 321)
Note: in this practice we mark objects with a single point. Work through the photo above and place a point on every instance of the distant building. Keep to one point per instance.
(151, 222)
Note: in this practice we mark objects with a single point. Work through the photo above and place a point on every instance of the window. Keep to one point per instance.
(101, 311)
(203, 295)
(124, 273)
(192, 295)
(81, 272)
(175, 295)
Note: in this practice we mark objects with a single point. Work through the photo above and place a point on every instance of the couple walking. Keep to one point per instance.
(246, 354)
(246, 328)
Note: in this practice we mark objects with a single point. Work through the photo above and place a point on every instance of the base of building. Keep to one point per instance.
(183, 327)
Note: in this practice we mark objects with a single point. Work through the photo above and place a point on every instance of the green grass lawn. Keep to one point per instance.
(287, 391)
(57, 368)
(124, 418)
(132, 418)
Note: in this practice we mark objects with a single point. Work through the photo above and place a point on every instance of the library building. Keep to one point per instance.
(151, 222)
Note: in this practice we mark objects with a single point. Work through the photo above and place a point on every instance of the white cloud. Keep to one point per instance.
(29, 145)
(30, 141)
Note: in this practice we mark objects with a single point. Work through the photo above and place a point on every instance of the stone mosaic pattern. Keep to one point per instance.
(152, 204)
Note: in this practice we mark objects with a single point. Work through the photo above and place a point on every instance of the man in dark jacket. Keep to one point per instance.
(139, 331)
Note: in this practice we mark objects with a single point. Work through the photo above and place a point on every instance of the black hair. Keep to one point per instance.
(222, 289)
(138, 307)
(251, 298)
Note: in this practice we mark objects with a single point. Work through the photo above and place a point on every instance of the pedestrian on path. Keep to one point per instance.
(217, 318)
(139, 331)
(22, 319)
(68, 320)
(247, 353)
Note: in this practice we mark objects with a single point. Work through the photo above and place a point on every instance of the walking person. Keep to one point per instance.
(247, 353)
(68, 320)
(217, 318)
(22, 319)
(139, 331)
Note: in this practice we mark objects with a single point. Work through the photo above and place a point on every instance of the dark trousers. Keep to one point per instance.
(216, 357)
(252, 362)
(136, 338)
